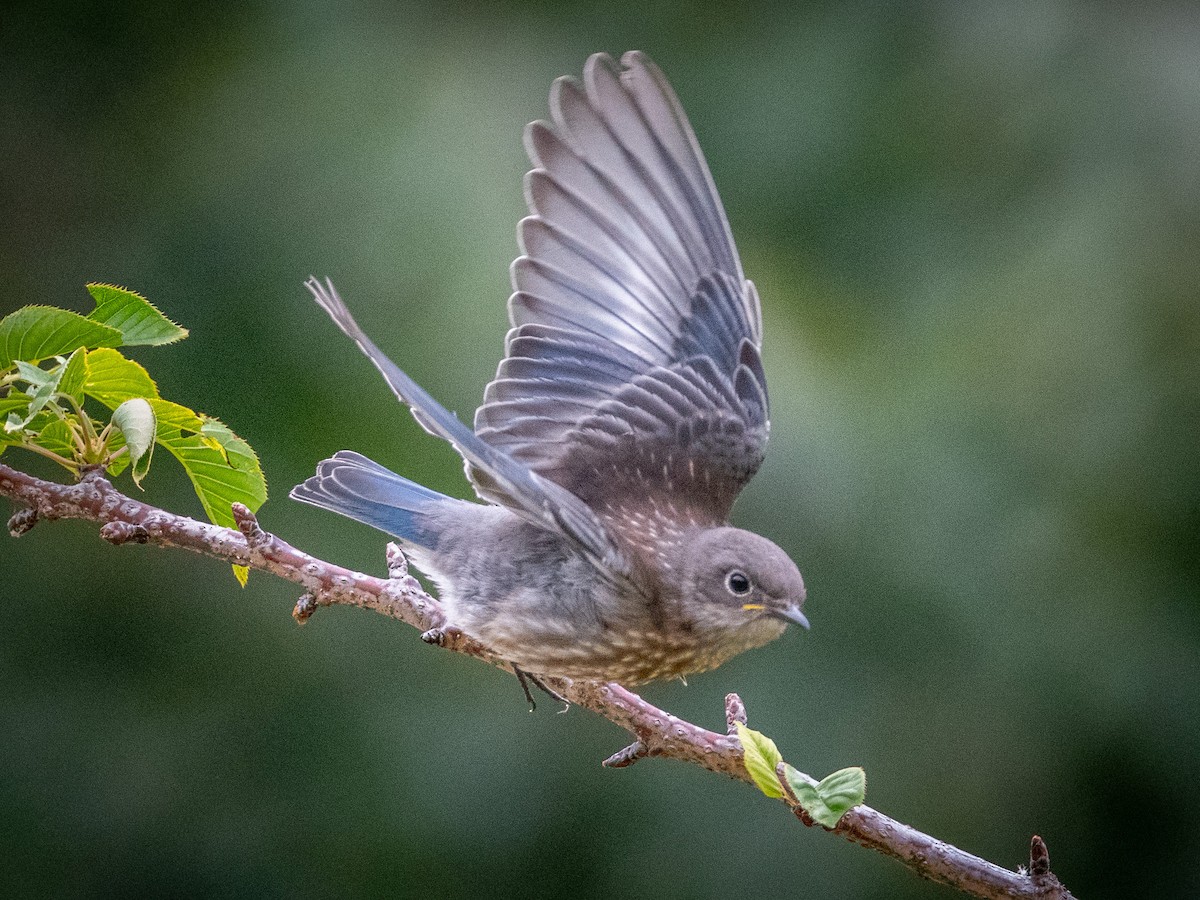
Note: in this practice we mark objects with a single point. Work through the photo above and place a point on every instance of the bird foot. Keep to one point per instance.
(528, 678)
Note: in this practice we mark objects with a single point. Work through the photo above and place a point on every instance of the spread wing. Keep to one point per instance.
(525, 492)
(633, 365)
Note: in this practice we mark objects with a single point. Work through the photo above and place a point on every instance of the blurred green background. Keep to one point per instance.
(975, 228)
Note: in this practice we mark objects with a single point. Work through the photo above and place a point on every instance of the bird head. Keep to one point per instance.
(740, 578)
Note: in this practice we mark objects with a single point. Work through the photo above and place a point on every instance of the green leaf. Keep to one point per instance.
(33, 375)
(34, 333)
(12, 412)
(112, 379)
(222, 467)
(174, 415)
(760, 756)
(115, 442)
(56, 436)
(138, 320)
(45, 385)
(65, 378)
(242, 574)
(44, 429)
(18, 422)
(74, 375)
(135, 417)
(221, 476)
(829, 799)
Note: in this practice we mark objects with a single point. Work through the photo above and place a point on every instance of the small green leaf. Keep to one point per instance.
(45, 385)
(760, 756)
(112, 379)
(115, 442)
(138, 320)
(34, 333)
(34, 376)
(74, 375)
(829, 799)
(11, 416)
(56, 436)
(135, 417)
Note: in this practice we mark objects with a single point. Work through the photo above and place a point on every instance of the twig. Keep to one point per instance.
(656, 732)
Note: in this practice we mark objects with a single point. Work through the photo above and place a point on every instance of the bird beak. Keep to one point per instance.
(791, 613)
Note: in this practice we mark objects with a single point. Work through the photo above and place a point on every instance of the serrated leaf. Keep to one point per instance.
(221, 466)
(112, 379)
(221, 477)
(174, 415)
(210, 433)
(760, 756)
(74, 375)
(138, 320)
(135, 417)
(34, 333)
(827, 800)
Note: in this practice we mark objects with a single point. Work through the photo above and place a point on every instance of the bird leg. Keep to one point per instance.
(528, 678)
(443, 634)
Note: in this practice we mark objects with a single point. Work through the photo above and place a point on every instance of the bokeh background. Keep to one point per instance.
(975, 228)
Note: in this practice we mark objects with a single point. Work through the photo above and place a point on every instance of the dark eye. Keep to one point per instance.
(737, 583)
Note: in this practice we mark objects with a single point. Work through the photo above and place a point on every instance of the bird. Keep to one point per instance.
(627, 414)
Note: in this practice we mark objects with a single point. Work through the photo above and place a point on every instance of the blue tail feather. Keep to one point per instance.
(356, 487)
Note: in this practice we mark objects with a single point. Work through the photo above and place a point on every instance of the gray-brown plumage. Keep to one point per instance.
(628, 413)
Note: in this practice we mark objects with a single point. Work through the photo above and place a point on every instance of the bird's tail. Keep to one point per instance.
(351, 485)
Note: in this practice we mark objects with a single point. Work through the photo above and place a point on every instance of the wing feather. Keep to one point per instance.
(637, 340)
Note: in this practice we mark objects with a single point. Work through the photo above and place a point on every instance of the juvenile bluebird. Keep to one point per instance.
(628, 413)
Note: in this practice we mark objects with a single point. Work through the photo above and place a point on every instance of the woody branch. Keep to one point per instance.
(656, 732)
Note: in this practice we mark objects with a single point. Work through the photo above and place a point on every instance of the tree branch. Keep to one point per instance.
(655, 731)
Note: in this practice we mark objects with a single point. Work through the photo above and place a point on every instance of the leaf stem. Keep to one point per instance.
(93, 444)
(114, 456)
(69, 464)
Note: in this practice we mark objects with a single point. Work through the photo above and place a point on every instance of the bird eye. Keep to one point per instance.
(737, 583)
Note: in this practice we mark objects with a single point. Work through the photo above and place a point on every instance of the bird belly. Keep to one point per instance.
(530, 597)
(628, 655)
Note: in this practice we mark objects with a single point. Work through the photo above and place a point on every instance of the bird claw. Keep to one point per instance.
(528, 678)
